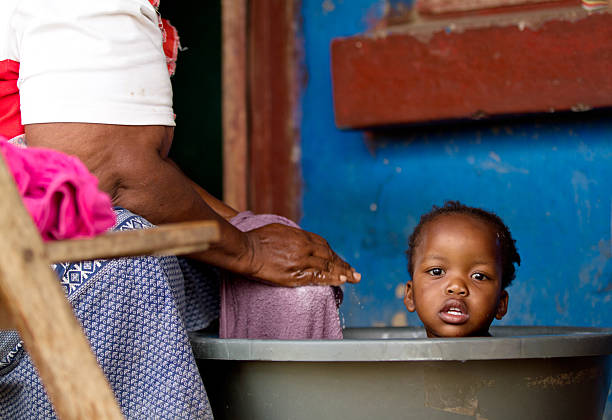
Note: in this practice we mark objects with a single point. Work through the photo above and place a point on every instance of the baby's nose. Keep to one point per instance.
(456, 288)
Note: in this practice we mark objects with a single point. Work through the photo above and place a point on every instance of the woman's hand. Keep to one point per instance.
(285, 256)
(130, 163)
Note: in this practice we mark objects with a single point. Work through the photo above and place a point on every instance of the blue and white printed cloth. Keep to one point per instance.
(136, 313)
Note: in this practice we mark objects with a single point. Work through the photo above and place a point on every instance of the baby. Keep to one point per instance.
(461, 260)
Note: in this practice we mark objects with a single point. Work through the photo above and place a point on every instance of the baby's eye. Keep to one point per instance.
(435, 271)
(479, 276)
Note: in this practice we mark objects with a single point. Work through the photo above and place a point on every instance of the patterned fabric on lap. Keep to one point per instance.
(136, 313)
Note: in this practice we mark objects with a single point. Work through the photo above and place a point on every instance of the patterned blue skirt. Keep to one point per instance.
(136, 313)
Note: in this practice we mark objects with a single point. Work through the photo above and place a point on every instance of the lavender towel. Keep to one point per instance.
(255, 310)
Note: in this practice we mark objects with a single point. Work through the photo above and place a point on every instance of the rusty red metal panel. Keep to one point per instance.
(452, 6)
(474, 67)
(274, 183)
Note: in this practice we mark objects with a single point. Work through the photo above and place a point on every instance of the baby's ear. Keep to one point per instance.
(409, 297)
(502, 306)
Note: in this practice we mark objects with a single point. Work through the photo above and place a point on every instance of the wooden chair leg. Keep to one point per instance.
(36, 306)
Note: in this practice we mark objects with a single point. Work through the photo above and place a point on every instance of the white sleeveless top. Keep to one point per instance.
(82, 61)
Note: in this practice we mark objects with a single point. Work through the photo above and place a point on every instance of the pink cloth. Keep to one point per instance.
(255, 310)
(59, 192)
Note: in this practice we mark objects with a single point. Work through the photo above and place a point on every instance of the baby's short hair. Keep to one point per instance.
(508, 248)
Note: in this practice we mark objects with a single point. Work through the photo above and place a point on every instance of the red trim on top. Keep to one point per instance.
(170, 39)
(171, 45)
(10, 112)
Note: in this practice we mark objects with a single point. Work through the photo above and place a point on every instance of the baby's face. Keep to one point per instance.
(456, 285)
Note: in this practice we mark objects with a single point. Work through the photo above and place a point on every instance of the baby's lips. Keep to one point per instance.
(455, 303)
(453, 317)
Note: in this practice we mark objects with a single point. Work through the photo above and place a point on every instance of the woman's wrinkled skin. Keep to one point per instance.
(132, 166)
(287, 256)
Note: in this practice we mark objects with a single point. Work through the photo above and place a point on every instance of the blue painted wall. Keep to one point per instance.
(548, 177)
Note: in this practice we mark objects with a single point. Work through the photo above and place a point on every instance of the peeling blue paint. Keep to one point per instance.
(549, 177)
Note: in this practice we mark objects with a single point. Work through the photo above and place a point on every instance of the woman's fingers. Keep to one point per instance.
(286, 256)
(332, 271)
(346, 273)
(335, 264)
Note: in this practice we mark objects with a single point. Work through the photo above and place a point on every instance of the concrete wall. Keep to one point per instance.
(548, 177)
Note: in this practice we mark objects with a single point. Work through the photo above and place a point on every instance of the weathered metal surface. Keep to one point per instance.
(560, 374)
(412, 344)
(474, 68)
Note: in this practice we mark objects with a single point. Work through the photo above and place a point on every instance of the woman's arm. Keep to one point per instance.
(132, 166)
(101, 66)
(217, 205)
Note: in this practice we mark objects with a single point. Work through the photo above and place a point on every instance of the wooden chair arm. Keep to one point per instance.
(170, 239)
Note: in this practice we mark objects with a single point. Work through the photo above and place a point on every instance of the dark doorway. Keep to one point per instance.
(197, 146)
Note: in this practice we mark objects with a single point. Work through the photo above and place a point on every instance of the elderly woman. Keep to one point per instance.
(90, 78)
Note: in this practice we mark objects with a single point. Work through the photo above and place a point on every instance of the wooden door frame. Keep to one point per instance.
(261, 84)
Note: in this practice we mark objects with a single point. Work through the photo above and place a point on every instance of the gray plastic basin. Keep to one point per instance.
(398, 373)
